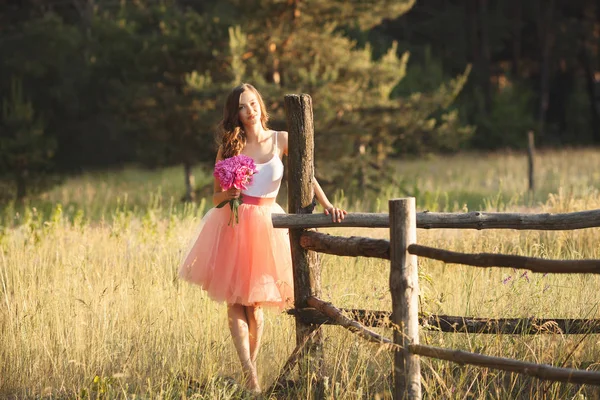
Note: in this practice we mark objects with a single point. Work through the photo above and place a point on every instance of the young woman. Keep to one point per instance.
(248, 264)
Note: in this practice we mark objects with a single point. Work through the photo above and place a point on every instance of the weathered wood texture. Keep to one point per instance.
(299, 115)
(540, 371)
(369, 220)
(371, 318)
(300, 191)
(470, 220)
(501, 260)
(458, 324)
(336, 315)
(404, 287)
(353, 246)
(510, 326)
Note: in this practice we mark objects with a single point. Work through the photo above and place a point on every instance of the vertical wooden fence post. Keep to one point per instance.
(307, 274)
(404, 286)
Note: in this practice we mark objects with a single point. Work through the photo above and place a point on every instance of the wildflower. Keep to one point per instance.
(546, 287)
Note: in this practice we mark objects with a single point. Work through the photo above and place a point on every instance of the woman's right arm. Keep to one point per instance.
(219, 195)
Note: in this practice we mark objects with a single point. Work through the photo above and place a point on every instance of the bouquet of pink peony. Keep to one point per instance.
(237, 172)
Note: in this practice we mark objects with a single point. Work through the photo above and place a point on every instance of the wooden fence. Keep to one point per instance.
(402, 250)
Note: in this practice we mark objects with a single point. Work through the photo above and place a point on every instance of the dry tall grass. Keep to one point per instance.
(94, 309)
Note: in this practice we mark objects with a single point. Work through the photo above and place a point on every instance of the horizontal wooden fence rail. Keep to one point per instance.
(371, 318)
(458, 324)
(352, 220)
(510, 326)
(353, 246)
(509, 261)
(470, 220)
(540, 371)
(339, 318)
(402, 250)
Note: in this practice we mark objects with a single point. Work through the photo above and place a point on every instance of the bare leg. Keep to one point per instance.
(238, 326)
(255, 327)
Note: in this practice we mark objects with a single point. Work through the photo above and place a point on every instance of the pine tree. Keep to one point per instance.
(171, 99)
(305, 46)
(25, 151)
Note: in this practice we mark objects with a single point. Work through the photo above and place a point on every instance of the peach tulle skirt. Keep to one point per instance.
(245, 263)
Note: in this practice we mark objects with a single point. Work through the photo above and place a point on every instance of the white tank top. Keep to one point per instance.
(267, 181)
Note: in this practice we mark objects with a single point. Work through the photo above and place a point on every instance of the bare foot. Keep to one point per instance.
(251, 381)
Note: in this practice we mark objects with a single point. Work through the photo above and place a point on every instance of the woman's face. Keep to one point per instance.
(249, 109)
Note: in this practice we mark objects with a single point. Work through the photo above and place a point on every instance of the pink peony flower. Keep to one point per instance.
(243, 177)
(237, 172)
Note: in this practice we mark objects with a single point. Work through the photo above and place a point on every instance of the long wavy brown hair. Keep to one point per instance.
(231, 136)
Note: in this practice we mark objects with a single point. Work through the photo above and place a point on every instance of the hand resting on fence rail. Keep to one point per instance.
(470, 220)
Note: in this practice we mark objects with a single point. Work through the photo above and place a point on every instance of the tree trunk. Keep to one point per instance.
(472, 34)
(587, 63)
(406, 29)
(517, 38)
(531, 160)
(21, 181)
(189, 182)
(474, 44)
(85, 8)
(593, 97)
(273, 74)
(545, 13)
(361, 174)
(485, 69)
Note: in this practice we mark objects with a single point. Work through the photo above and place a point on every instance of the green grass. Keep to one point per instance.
(91, 306)
(103, 195)
(499, 180)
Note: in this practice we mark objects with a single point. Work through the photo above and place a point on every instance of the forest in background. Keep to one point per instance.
(96, 84)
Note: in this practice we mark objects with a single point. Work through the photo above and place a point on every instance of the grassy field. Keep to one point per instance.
(91, 306)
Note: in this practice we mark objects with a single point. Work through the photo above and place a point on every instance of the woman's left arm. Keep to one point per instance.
(337, 214)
